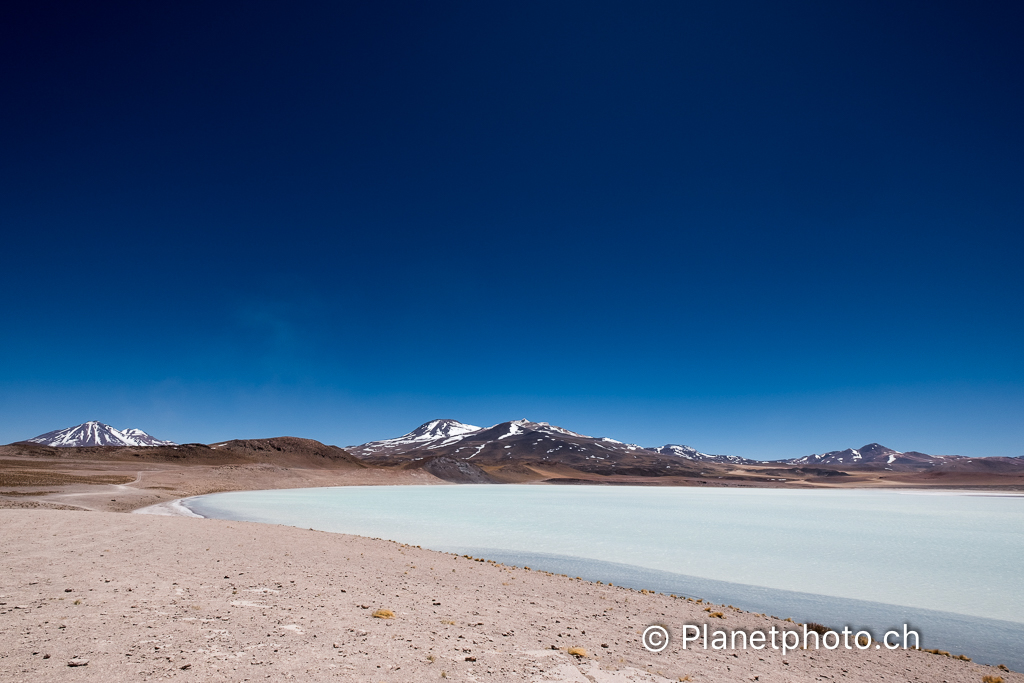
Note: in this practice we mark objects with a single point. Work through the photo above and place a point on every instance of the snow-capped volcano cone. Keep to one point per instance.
(97, 434)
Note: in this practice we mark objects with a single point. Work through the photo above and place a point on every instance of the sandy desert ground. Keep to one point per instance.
(121, 487)
(142, 597)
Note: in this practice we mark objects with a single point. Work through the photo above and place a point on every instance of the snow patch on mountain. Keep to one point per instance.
(513, 429)
(524, 425)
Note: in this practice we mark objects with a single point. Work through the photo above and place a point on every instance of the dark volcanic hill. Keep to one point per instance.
(284, 451)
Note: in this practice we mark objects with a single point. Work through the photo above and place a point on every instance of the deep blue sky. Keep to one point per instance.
(765, 229)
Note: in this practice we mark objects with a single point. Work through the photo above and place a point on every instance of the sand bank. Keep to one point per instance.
(144, 596)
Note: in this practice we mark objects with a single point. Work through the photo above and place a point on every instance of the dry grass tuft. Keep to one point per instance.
(946, 654)
(384, 614)
(992, 679)
(817, 628)
(717, 615)
(577, 652)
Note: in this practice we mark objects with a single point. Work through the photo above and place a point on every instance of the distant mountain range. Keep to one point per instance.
(521, 450)
(693, 454)
(521, 441)
(500, 452)
(97, 434)
(877, 456)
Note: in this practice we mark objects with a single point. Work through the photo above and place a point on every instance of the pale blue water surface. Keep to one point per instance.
(952, 564)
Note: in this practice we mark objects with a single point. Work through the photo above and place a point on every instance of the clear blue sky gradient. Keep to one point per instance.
(757, 229)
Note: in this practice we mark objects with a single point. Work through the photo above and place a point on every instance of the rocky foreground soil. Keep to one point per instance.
(99, 596)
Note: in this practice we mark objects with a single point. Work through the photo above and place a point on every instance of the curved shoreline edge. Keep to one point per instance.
(170, 508)
(179, 508)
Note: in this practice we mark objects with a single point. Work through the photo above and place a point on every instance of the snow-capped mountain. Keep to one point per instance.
(445, 435)
(433, 434)
(97, 434)
(525, 439)
(519, 443)
(877, 457)
(851, 456)
(693, 454)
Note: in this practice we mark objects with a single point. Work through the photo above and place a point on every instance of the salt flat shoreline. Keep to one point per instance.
(177, 507)
(171, 508)
(143, 596)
